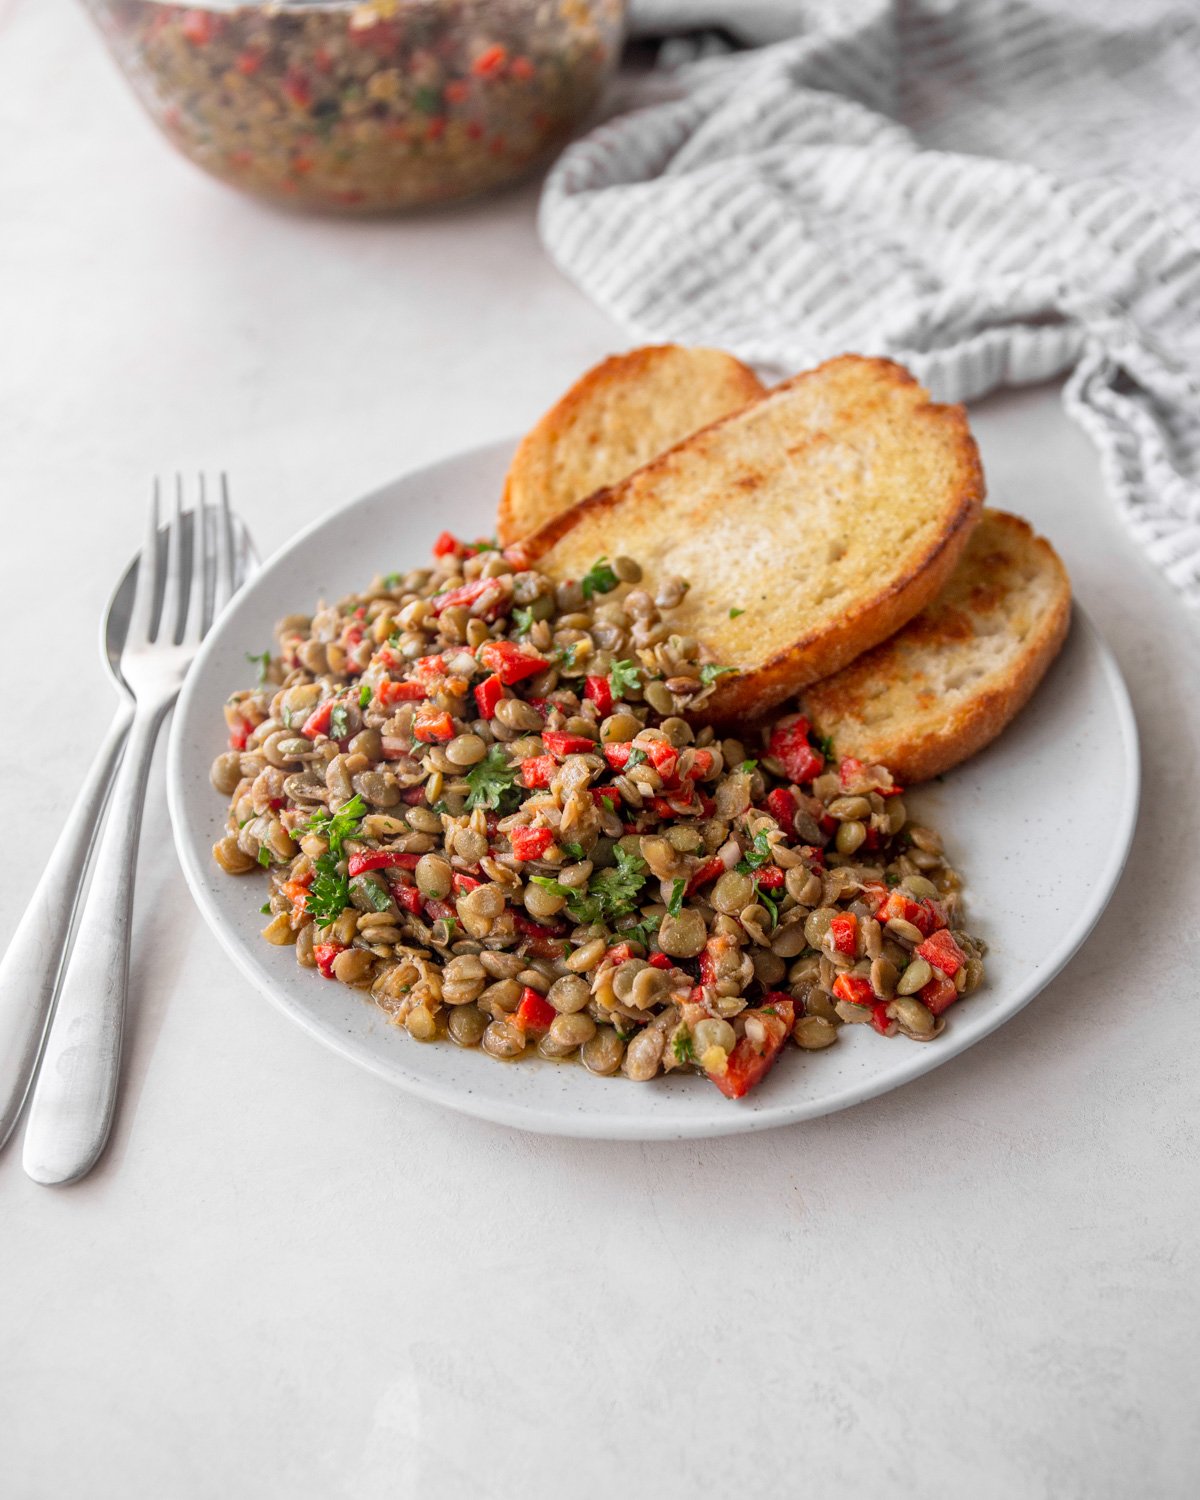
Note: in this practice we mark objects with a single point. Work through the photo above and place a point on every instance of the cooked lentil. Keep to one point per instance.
(513, 844)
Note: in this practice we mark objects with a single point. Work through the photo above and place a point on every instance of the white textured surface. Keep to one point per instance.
(287, 1280)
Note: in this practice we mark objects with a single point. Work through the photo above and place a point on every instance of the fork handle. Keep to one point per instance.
(30, 967)
(76, 1089)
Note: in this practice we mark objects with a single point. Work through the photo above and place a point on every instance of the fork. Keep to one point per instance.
(75, 1095)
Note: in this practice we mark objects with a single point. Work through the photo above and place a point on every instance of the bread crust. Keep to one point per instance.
(552, 460)
(1006, 569)
(748, 693)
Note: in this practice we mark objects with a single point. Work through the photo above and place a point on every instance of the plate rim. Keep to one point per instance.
(564, 1122)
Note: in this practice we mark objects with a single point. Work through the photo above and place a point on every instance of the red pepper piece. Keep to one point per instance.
(388, 692)
(664, 758)
(318, 721)
(487, 694)
(509, 662)
(926, 916)
(599, 690)
(702, 874)
(715, 949)
(938, 995)
(874, 890)
(464, 883)
(380, 859)
(430, 666)
(617, 755)
(943, 952)
(660, 961)
(537, 770)
(448, 545)
(432, 726)
(769, 878)
(409, 897)
(610, 795)
(701, 766)
(352, 639)
(438, 911)
(782, 807)
(413, 796)
(533, 929)
(880, 1019)
(239, 733)
(533, 1012)
(530, 843)
(469, 593)
(849, 771)
(854, 989)
(325, 953)
(199, 27)
(789, 745)
(490, 61)
(845, 933)
(751, 1059)
(619, 953)
(297, 893)
(560, 743)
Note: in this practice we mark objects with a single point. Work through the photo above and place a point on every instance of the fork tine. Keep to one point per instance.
(174, 599)
(197, 616)
(225, 584)
(141, 617)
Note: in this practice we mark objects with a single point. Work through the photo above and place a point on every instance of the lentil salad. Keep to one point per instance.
(486, 799)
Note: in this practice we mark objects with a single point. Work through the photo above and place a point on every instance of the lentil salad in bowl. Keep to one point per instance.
(1040, 865)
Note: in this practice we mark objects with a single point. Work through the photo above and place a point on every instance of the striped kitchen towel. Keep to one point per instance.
(991, 191)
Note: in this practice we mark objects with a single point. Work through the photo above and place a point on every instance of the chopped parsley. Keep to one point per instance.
(265, 908)
(636, 756)
(610, 893)
(709, 672)
(339, 722)
(681, 1046)
(373, 891)
(392, 580)
(599, 579)
(823, 743)
(765, 900)
(523, 620)
(364, 695)
(264, 856)
(625, 679)
(493, 782)
(733, 613)
(891, 878)
(262, 661)
(675, 904)
(758, 854)
(566, 656)
(574, 850)
(329, 894)
(748, 765)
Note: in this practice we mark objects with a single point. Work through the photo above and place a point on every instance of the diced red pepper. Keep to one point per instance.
(487, 694)
(239, 732)
(607, 794)
(521, 68)
(789, 745)
(409, 897)
(560, 743)
(491, 60)
(432, 726)
(509, 662)
(750, 1061)
(530, 843)
(199, 27)
(769, 878)
(248, 63)
(463, 883)
(849, 771)
(705, 872)
(297, 892)
(844, 928)
(468, 593)
(533, 929)
(927, 916)
(619, 953)
(352, 639)
(701, 766)
(413, 796)
(617, 755)
(380, 859)
(874, 891)
(430, 667)
(537, 770)
(447, 545)
(599, 690)
(533, 1012)
(716, 947)
(854, 989)
(880, 1019)
(939, 995)
(782, 807)
(660, 961)
(325, 953)
(388, 692)
(318, 721)
(664, 758)
(439, 911)
(942, 952)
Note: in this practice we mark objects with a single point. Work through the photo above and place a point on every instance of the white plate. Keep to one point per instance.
(1039, 825)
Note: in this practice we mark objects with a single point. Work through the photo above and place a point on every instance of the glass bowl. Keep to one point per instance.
(366, 107)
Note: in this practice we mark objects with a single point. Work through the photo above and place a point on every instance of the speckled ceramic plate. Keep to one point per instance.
(1019, 822)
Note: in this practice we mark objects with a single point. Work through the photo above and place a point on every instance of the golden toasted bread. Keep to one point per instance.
(811, 525)
(617, 417)
(949, 682)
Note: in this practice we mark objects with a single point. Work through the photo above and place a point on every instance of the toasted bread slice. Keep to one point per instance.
(619, 416)
(949, 682)
(811, 525)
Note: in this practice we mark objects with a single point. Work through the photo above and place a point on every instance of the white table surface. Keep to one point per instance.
(286, 1279)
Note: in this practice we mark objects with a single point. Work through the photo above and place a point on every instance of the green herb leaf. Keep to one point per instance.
(566, 656)
(265, 908)
(771, 906)
(823, 743)
(264, 856)
(373, 891)
(263, 662)
(599, 579)
(758, 854)
(339, 722)
(748, 766)
(636, 756)
(681, 1046)
(610, 894)
(392, 580)
(493, 782)
(329, 894)
(574, 850)
(709, 672)
(523, 620)
(624, 678)
(364, 695)
(675, 904)
(733, 613)
(891, 878)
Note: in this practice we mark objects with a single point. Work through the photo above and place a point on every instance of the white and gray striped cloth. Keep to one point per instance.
(991, 191)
